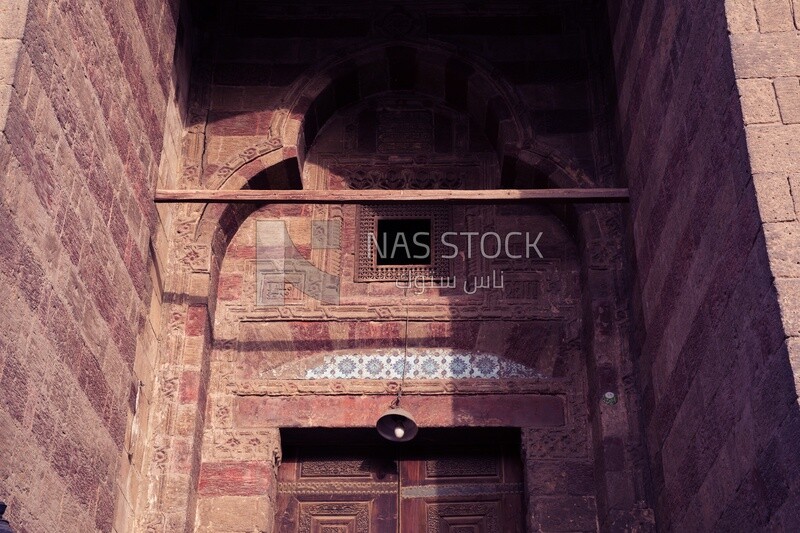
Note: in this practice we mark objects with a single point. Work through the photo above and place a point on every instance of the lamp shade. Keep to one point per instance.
(397, 425)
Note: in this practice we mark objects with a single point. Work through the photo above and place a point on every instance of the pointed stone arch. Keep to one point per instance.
(463, 82)
(524, 162)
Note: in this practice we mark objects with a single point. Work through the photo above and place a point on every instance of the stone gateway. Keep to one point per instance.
(551, 245)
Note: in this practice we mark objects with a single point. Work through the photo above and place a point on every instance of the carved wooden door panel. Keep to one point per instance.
(462, 489)
(339, 491)
(452, 482)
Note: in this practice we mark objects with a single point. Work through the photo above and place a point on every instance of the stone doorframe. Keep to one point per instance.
(237, 483)
(199, 244)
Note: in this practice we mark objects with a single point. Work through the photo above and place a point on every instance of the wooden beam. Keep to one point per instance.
(390, 196)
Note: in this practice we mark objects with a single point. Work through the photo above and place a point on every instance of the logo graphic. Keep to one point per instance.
(283, 275)
(282, 272)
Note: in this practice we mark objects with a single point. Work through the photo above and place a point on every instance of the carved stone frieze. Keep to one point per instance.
(184, 227)
(267, 145)
(197, 257)
(244, 445)
(426, 177)
(413, 170)
(304, 387)
(422, 312)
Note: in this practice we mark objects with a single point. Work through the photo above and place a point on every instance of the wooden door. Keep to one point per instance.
(465, 482)
(453, 481)
(326, 489)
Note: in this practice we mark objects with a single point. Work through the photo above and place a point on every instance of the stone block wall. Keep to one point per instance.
(765, 38)
(708, 152)
(85, 89)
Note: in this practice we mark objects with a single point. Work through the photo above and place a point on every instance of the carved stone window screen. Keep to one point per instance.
(367, 268)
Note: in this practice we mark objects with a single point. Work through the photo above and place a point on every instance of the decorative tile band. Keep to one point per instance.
(436, 363)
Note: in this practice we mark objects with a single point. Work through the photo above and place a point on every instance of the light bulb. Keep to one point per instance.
(399, 432)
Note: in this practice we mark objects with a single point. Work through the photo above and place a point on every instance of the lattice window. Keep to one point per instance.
(370, 241)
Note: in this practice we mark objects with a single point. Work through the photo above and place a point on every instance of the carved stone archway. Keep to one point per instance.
(205, 232)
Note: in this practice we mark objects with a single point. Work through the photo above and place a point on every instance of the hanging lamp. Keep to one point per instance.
(396, 424)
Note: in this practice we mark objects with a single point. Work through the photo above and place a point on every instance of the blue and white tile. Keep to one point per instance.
(435, 363)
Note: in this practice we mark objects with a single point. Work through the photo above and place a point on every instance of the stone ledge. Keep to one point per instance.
(355, 411)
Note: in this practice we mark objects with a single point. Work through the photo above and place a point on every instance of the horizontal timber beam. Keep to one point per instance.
(389, 196)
